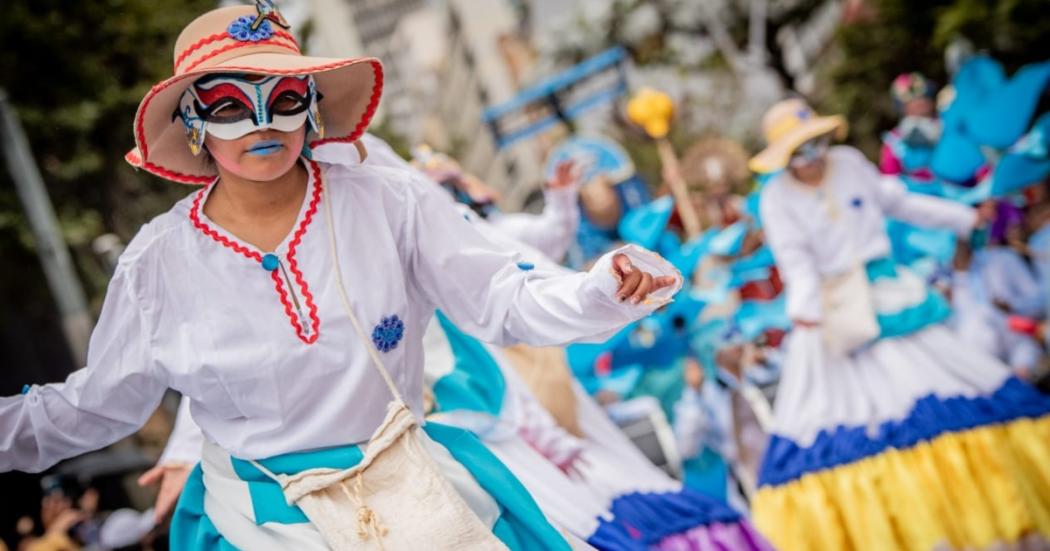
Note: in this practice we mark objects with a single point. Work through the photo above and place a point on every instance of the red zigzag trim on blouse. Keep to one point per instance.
(293, 265)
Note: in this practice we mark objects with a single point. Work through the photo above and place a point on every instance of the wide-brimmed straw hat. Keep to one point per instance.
(223, 41)
(713, 162)
(787, 125)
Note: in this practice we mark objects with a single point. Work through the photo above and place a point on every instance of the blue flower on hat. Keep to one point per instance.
(241, 29)
(388, 333)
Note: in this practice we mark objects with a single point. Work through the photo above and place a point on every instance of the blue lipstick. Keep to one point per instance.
(265, 147)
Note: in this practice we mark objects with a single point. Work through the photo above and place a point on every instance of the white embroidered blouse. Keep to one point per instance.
(827, 230)
(269, 360)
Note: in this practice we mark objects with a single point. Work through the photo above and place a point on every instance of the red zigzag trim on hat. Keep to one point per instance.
(223, 35)
(271, 41)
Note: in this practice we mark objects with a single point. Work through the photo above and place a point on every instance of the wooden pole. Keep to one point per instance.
(684, 205)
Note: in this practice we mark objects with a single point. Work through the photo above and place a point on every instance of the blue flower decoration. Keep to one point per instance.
(857, 202)
(388, 333)
(241, 29)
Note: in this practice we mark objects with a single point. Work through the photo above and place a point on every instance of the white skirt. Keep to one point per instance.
(875, 384)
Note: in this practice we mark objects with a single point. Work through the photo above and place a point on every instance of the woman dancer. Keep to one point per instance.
(888, 432)
(287, 301)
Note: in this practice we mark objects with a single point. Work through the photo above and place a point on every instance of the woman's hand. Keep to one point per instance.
(636, 285)
(172, 479)
(986, 213)
(566, 175)
(693, 374)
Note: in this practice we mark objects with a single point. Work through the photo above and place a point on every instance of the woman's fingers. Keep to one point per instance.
(644, 286)
(170, 489)
(663, 281)
(622, 266)
(151, 476)
(629, 285)
(635, 284)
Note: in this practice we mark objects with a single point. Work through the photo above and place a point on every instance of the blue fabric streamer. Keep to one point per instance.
(644, 225)
(729, 240)
(476, 382)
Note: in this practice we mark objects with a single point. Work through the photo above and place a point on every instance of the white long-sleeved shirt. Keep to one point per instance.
(816, 232)
(184, 443)
(553, 231)
(190, 307)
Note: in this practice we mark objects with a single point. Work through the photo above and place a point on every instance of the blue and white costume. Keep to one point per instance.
(270, 364)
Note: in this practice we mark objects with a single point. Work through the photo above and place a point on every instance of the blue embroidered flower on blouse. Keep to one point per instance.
(241, 29)
(388, 333)
(857, 202)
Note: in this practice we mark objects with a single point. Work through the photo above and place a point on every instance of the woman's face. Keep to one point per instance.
(808, 161)
(254, 126)
(919, 107)
(261, 156)
(811, 173)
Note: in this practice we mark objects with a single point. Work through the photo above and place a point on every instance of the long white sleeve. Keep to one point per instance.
(794, 259)
(97, 405)
(922, 210)
(552, 232)
(490, 294)
(186, 439)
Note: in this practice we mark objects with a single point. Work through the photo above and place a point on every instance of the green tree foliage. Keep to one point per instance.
(899, 36)
(75, 72)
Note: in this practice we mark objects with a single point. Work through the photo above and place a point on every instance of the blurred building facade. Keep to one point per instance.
(444, 62)
(364, 27)
(486, 62)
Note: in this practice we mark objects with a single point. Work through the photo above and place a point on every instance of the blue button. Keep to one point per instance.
(270, 262)
(526, 266)
(26, 389)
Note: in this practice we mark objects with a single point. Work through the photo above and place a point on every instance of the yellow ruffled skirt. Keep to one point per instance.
(969, 489)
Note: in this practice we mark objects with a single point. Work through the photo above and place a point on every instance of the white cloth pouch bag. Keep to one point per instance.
(395, 498)
(848, 312)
